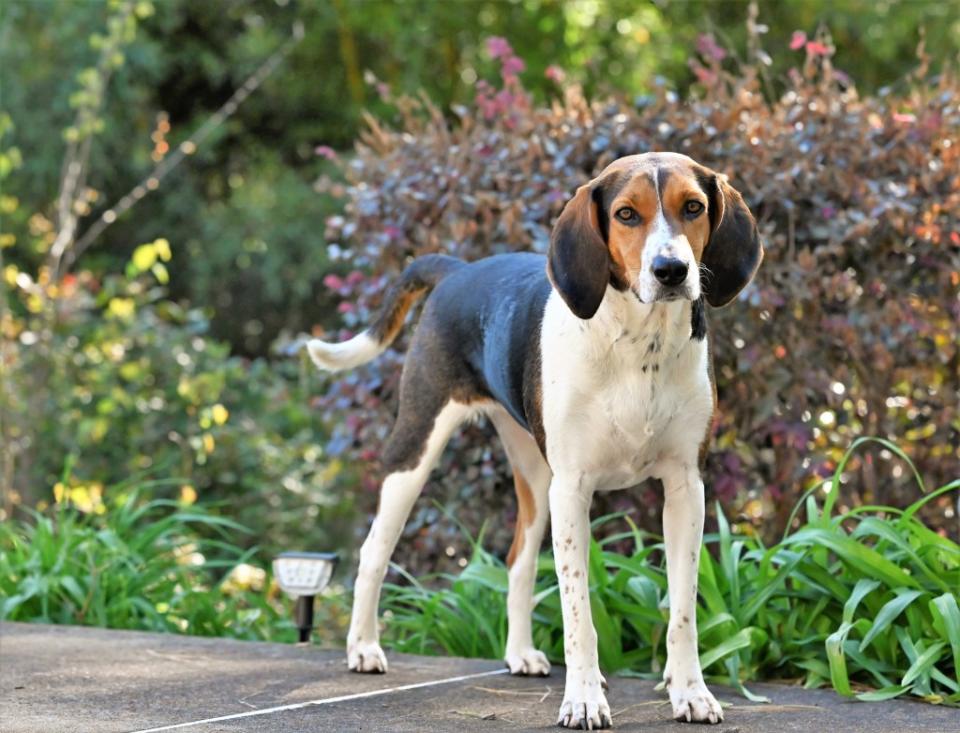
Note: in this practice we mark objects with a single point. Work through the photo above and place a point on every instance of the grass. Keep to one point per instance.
(864, 601)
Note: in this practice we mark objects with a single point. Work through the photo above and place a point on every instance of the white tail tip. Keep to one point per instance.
(337, 357)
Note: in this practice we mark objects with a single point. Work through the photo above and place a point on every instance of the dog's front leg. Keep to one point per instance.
(683, 533)
(584, 704)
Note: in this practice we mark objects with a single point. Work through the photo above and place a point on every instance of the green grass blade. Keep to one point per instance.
(838, 660)
(741, 640)
(852, 552)
(947, 616)
(923, 663)
(890, 611)
(884, 693)
(861, 589)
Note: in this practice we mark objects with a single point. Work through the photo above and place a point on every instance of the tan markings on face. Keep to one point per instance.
(626, 242)
(679, 187)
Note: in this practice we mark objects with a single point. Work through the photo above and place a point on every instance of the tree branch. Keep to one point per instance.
(151, 181)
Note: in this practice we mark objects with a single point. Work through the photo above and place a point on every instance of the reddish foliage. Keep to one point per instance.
(850, 328)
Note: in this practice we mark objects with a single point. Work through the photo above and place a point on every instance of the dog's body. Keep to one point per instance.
(592, 364)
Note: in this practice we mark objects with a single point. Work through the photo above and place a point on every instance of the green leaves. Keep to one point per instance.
(852, 600)
(140, 565)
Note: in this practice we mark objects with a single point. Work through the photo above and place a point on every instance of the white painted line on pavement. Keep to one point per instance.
(324, 701)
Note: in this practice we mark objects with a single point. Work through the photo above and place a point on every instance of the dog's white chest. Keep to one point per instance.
(621, 393)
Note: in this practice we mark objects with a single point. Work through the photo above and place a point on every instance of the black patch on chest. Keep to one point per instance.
(698, 320)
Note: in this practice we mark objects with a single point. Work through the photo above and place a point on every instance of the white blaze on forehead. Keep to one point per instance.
(660, 236)
(664, 241)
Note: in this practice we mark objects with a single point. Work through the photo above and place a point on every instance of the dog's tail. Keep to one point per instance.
(418, 279)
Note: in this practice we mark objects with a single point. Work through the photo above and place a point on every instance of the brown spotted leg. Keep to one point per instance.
(584, 704)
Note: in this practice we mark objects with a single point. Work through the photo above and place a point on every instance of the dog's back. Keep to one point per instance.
(477, 342)
(481, 330)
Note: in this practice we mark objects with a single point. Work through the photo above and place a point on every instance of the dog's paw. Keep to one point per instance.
(366, 657)
(529, 662)
(694, 703)
(585, 714)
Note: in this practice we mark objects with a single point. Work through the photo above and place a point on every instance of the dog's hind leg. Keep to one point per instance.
(415, 445)
(531, 476)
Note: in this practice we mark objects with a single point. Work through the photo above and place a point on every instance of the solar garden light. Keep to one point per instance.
(302, 575)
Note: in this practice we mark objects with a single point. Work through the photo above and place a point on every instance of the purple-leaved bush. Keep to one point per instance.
(849, 329)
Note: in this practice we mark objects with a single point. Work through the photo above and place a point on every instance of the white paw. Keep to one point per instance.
(528, 662)
(592, 714)
(366, 657)
(692, 702)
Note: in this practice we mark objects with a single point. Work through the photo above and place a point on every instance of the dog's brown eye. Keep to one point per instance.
(692, 209)
(627, 215)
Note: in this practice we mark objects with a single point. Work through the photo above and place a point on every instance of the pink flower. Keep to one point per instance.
(497, 47)
(708, 48)
(512, 65)
(704, 76)
(798, 40)
(333, 282)
(555, 73)
(487, 106)
(815, 48)
(325, 151)
(904, 118)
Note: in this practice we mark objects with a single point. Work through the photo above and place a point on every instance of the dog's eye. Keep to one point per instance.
(627, 215)
(692, 209)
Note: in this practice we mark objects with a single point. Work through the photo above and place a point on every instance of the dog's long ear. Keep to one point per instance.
(733, 252)
(579, 262)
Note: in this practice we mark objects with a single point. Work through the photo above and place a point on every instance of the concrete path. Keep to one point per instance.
(56, 679)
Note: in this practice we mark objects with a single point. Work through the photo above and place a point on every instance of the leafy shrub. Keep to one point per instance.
(117, 560)
(141, 567)
(864, 598)
(111, 377)
(849, 329)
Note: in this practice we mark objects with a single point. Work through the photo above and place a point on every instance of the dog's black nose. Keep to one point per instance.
(669, 270)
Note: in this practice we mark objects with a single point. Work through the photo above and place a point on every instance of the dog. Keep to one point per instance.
(592, 364)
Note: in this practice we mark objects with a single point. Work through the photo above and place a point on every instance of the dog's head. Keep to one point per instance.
(659, 224)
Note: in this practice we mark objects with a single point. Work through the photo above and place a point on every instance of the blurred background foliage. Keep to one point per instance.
(242, 216)
(156, 346)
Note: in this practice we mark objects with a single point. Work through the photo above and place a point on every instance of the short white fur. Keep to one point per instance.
(612, 419)
(337, 357)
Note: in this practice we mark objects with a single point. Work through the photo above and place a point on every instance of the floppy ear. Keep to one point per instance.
(579, 262)
(733, 252)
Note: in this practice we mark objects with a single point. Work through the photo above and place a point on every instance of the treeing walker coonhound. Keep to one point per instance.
(593, 366)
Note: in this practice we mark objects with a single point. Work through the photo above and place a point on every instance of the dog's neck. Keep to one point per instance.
(622, 316)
